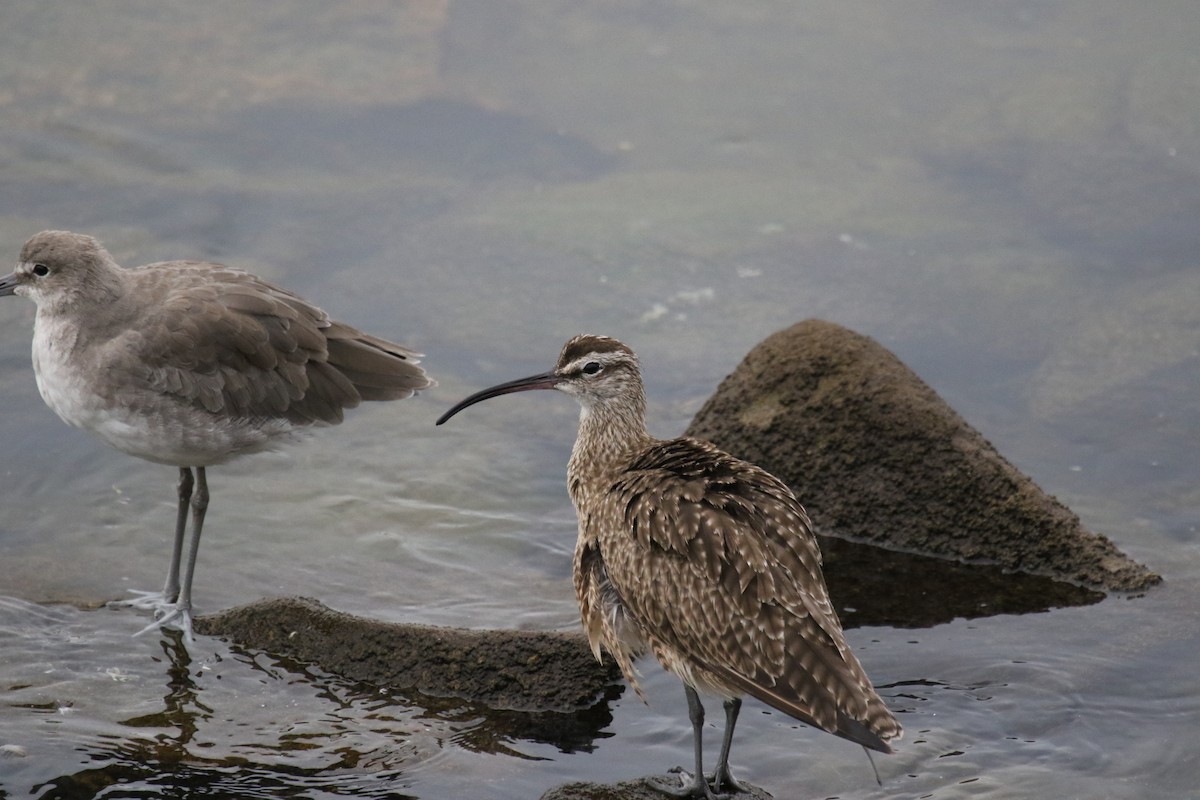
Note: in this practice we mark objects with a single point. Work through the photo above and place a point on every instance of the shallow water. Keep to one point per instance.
(1003, 194)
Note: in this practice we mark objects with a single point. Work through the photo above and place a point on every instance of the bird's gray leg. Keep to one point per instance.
(722, 777)
(163, 603)
(171, 590)
(199, 507)
(181, 609)
(697, 786)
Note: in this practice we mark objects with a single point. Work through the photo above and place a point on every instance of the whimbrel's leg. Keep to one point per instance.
(722, 777)
(697, 786)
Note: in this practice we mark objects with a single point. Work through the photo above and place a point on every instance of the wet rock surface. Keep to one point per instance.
(524, 671)
(876, 456)
(640, 789)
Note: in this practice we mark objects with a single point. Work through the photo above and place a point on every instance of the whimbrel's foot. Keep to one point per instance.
(723, 780)
(689, 786)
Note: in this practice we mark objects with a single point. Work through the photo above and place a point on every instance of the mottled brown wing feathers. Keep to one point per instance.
(876, 715)
(721, 566)
(232, 343)
(601, 609)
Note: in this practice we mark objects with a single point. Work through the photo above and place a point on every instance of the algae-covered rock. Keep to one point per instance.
(502, 669)
(875, 455)
(640, 789)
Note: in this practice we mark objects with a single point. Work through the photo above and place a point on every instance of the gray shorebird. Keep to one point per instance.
(191, 364)
(704, 560)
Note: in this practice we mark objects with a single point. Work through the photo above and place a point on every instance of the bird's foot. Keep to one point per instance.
(723, 779)
(146, 601)
(166, 613)
(690, 786)
(176, 616)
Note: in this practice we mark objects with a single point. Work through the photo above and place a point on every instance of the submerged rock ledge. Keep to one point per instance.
(639, 789)
(529, 671)
(876, 456)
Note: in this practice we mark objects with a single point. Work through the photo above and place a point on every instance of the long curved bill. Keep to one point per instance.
(545, 380)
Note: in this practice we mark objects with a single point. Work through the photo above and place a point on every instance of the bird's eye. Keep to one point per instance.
(41, 270)
(591, 368)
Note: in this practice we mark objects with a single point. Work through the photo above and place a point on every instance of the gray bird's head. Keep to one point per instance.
(597, 370)
(59, 268)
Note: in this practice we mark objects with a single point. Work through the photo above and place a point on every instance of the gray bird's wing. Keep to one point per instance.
(230, 343)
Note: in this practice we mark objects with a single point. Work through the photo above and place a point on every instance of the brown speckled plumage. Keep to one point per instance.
(703, 559)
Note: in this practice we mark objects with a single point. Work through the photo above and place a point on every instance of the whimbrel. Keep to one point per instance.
(703, 559)
(191, 364)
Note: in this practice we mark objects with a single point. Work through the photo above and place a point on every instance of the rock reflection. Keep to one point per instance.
(473, 726)
(872, 586)
(147, 770)
(361, 746)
